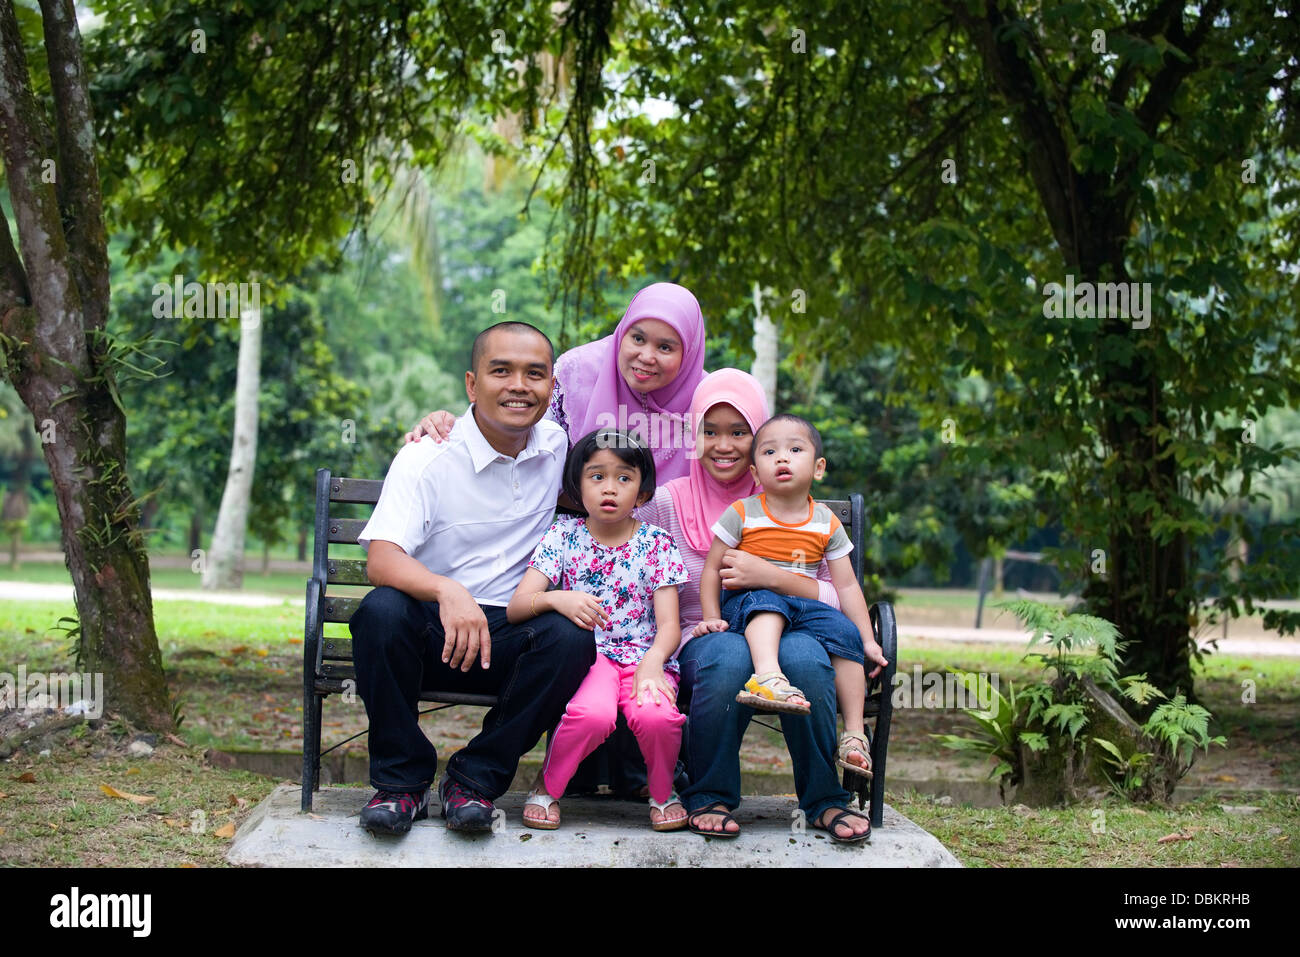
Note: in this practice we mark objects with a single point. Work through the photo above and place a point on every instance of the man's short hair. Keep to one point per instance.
(814, 436)
(480, 341)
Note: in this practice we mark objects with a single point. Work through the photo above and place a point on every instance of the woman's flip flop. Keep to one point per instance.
(718, 809)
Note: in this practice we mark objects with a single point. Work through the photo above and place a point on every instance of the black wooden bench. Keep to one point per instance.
(327, 662)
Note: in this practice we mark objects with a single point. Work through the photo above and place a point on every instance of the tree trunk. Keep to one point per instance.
(54, 303)
(17, 503)
(196, 530)
(1147, 591)
(766, 349)
(225, 565)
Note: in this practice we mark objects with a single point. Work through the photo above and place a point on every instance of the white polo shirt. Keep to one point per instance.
(465, 511)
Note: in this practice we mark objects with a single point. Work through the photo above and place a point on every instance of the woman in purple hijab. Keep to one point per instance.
(640, 378)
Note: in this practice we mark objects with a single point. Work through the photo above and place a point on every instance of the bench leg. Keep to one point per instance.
(311, 727)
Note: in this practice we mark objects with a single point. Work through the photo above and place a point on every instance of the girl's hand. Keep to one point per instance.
(649, 682)
(874, 653)
(742, 570)
(708, 625)
(582, 609)
(438, 424)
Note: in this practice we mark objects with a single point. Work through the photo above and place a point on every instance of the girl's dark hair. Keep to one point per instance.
(629, 449)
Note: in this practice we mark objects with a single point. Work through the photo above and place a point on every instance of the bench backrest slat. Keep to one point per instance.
(344, 531)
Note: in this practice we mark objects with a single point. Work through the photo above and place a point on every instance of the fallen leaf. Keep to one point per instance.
(226, 830)
(315, 817)
(223, 812)
(187, 865)
(172, 822)
(175, 740)
(26, 778)
(1224, 777)
(238, 649)
(235, 801)
(133, 798)
(54, 827)
(295, 641)
(3, 795)
(262, 652)
(132, 770)
(2, 832)
(1170, 838)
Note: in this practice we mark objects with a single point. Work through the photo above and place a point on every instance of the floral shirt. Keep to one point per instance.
(624, 578)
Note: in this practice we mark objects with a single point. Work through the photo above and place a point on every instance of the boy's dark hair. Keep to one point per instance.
(480, 341)
(629, 449)
(813, 435)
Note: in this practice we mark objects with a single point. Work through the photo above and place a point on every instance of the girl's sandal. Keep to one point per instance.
(538, 798)
(772, 692)
(664, 824)
(718, 809)
(850, 742)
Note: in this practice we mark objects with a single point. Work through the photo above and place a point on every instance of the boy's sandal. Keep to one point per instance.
(830, 828)
(675, 824)
(719, 809)
(544, 801)
(850, 742)
(772, 692)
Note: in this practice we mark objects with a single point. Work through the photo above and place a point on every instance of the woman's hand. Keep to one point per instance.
(648, 680)
(438, 424)
(708, 625)
(741, 570)
(582, 609)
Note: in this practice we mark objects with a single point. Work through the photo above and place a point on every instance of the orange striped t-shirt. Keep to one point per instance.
(749, 526)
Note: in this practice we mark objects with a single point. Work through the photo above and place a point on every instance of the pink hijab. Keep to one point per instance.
(594, 389)
(699, 498)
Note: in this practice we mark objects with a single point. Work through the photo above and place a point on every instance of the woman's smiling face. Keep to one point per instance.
(723, 441)
(650, 355)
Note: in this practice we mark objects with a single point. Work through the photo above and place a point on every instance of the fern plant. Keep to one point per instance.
(1050, 717)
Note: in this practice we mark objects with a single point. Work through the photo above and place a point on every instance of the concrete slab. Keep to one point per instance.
(596, 833)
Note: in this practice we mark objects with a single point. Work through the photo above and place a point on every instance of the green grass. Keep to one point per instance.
(237, 672)
(56, 573)
(1112, 834)
(63, 818)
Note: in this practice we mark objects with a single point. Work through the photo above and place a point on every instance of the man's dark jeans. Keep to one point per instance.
(397, 650)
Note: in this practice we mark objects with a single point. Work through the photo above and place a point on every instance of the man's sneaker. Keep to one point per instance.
(465, 810)
(391, 812)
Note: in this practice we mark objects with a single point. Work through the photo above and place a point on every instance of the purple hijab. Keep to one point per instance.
(595, 391)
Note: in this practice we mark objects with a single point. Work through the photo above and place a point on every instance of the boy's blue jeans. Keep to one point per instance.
(715, 666)
(838, 635)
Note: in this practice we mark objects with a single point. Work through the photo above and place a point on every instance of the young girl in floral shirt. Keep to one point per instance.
(618, 577)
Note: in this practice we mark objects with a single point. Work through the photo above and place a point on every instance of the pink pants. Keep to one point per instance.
(590, 718)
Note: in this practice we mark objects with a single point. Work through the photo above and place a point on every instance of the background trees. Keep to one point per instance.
(902, 180)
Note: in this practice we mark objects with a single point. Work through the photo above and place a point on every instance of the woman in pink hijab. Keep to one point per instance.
(640, 378)
(727, 408)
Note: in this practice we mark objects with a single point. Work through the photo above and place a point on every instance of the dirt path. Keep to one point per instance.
(34, 591)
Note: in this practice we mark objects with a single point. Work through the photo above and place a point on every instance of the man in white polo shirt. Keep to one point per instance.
(448, 542)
